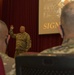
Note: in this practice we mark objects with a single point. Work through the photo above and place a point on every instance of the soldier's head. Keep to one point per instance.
(4, 37)
(22, 29)
(67, 20)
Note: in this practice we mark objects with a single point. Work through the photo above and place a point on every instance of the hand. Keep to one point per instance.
(12, 27)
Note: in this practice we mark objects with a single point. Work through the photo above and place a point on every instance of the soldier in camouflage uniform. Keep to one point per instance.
(23, 40)
(67, 32)
(8, 62)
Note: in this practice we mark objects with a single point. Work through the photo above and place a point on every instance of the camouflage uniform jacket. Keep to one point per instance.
(67, 47)
(23, 41)
(9, 64)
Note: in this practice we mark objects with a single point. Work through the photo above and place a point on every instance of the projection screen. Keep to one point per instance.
(49, 15)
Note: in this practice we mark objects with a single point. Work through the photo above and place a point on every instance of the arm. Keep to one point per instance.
(11, 32)
(13, 70)
(28, 40)
(9, 65)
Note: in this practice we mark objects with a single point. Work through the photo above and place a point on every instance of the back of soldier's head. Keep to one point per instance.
(67, 17)
(3, 30)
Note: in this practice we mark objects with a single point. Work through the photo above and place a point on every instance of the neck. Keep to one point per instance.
(69, 36)
(2, 47)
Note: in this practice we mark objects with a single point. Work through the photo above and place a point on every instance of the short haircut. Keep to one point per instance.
(67, 16)
(3, 29)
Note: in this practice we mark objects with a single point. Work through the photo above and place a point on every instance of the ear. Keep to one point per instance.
(8, 38)
(60, 31)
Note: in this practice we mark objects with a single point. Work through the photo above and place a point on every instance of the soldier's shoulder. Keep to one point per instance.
(27, 33)
(50, 50)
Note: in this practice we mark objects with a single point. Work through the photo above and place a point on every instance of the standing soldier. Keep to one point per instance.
(23, 40)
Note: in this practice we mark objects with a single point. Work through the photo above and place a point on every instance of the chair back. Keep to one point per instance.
(45, 65)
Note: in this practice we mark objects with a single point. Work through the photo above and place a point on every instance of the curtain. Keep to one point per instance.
(25, 12)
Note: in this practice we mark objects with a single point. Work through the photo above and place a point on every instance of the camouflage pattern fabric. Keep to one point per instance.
(67, 47)
(23, 42)
(9, 64)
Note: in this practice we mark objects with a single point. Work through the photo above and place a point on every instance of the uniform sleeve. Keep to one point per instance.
(12, 71)
(9, 65)
(28, 41)
(12, 34)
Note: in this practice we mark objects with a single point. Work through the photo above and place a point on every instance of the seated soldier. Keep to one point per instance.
(8, 62)
(67, 32)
